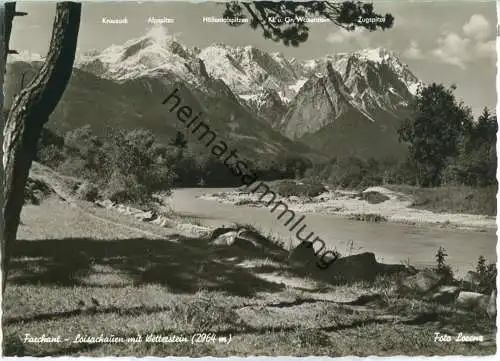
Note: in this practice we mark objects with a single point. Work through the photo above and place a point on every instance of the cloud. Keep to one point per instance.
(455, 49)
(343, 36)
(477, 27)
(413, 52)
(486, 50)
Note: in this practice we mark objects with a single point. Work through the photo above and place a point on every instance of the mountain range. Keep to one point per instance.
(266, 103)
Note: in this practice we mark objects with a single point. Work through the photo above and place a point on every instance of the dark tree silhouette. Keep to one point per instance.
(433, 132)
(270, 16)
(179, 141)
(30, 111)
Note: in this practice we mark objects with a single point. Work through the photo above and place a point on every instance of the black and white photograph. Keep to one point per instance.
(249, 178)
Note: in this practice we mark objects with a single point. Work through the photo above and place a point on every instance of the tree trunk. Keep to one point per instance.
(3, 56)
(30, 111)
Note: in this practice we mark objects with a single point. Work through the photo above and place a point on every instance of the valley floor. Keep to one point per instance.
(397, 207)
(83, 270)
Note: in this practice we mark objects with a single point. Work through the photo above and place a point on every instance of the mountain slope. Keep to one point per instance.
(355, 135)
(353, 104)
(359, 82)
(137, 103)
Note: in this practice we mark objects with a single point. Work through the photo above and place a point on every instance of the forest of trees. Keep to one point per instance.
(132, 165)
(445, 147)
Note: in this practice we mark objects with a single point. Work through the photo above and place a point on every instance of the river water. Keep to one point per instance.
(391, 242)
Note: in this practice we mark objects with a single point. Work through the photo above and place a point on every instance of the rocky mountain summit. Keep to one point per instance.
(333, 97)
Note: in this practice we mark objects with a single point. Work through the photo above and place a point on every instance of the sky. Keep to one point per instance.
(449, 42)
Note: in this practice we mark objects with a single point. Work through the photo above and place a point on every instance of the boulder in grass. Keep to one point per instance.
(358, 267)
(146, 216)
(133, 211)
(232, 239)
(225, 239)
(303, 256)
(445, 294)
(107, 203)
(422, 282)
(258, 240)
(472, 300)
(120, 208)
(214, 235)
(243, 238)
(163, 221)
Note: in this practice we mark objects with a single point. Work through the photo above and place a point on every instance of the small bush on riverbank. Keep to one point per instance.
(290, 188)
(441, 266)
(370, 217)
(248, 202)
(373, 197)
(487, 275)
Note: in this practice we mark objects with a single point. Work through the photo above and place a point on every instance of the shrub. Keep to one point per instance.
(315, 189)
(354, 172)
(248, 202)
(50, 155)
(481, 265)
(441, 266)
(123, 188)
(374, 197)
(487, 275)
(308, 338)
(291, 188)
(202, 312)
(127, 166)
(87, 192)
(370, 217)
(35, 190)
(460, 199)
(72, 166)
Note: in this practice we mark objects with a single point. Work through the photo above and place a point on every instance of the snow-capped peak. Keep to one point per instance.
(248, 71)
(156, 51)
(377, 55)
(159, 34)
(356, 64)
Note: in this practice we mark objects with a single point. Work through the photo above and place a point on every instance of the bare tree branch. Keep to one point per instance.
(293, 29)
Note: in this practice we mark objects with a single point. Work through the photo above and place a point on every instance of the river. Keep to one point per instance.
(391, 242)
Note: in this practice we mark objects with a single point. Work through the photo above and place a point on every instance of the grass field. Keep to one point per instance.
(83, 270)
